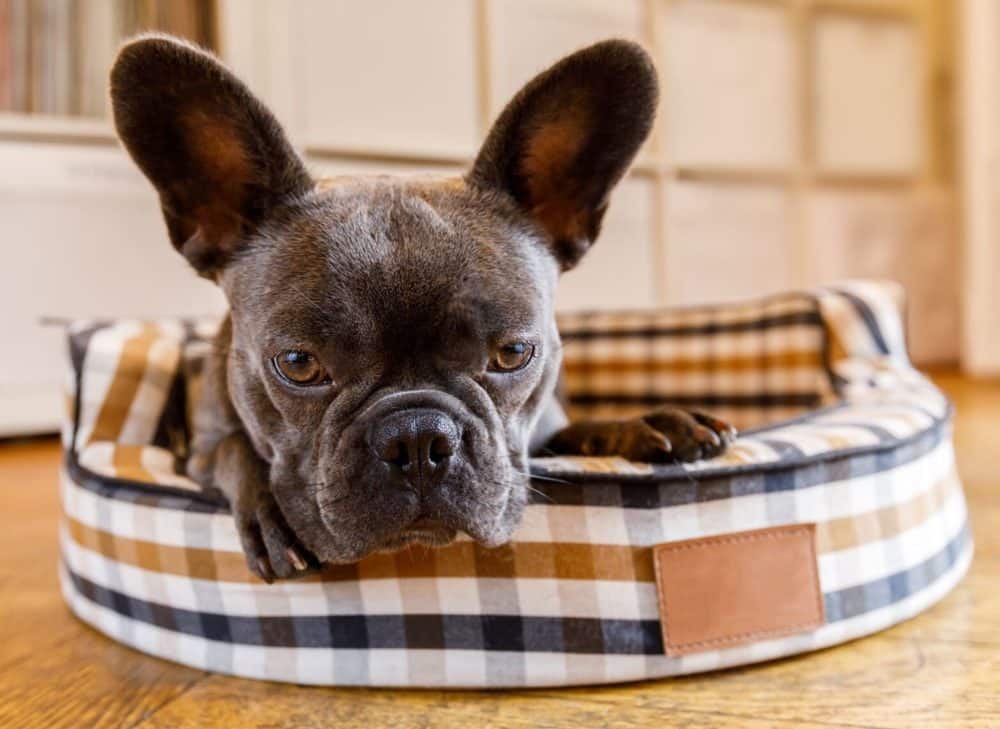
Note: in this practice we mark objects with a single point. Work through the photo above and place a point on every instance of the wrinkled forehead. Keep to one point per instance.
(414, 259)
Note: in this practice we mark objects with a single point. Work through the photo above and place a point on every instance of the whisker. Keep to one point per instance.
(552, 479)
(542, 494)
(542, 477)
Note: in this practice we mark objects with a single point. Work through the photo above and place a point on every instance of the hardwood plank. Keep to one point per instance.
(32, 614)
(221, 701)
(977, 432)
(88, 681)
(898, 679)
(31, 619)
(54, 671)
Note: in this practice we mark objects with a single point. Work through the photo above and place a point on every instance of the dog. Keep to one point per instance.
(390, 358)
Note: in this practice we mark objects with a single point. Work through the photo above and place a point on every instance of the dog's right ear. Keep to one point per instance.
(218, 158)
(567, 137)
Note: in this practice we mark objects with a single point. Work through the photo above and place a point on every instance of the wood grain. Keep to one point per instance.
(229, 702)
(54, 672)
(88, 681)
(941, 669)
(30, 617)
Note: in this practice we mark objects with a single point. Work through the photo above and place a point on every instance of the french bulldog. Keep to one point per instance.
(391, 357)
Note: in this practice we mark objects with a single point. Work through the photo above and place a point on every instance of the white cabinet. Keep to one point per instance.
(727, 242)
(386, 75)
(81, 236)
(620, 271)
(729, 73)
(868, 77)
(897, 235)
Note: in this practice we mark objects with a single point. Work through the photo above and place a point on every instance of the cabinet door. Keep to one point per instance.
(619, 272)
(903, 236)
(727, 241)
(387, 75)
(82, 236)
(867, 76)
(729, 78)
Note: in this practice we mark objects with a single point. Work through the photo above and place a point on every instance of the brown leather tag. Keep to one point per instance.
(724, 591)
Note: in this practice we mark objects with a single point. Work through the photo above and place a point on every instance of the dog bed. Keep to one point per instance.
(836, 513)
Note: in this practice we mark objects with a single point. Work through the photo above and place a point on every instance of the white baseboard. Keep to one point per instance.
(30, 410)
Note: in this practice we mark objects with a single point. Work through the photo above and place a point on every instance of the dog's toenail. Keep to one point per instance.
(295, 559)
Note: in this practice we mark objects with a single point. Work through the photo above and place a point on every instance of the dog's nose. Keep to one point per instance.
(417, 445)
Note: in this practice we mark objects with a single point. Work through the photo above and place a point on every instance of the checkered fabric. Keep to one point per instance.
(842, 433)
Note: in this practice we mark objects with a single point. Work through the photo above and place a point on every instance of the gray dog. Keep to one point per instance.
(391, 355)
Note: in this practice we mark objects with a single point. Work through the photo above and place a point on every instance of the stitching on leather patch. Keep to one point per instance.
(734, 589)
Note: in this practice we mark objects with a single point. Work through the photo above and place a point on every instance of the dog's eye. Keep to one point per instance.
(300, 368)
(512, 357)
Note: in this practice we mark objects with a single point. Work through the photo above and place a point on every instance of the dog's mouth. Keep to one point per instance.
(427, 532)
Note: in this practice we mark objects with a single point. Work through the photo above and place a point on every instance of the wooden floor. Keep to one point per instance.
(940, 670)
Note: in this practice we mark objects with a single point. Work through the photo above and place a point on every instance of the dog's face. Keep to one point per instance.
(393, 340)
(391, 344)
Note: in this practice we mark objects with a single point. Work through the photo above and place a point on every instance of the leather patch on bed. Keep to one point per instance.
(724, 591)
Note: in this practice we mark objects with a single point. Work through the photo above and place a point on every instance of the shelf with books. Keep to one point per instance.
(55, 55)
(20, 126)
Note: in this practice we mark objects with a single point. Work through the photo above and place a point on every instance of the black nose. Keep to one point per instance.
(417, 445)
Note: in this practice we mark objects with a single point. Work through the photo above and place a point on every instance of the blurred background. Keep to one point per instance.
(798, 142)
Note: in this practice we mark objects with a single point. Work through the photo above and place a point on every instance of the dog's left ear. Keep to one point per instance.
(217, 157)
(566, 138)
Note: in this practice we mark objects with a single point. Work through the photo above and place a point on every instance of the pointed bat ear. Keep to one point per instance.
(217, 157)
(564, 141)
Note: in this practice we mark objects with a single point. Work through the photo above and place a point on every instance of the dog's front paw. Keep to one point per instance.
(271, 550)
(691, 435)
(663, 436)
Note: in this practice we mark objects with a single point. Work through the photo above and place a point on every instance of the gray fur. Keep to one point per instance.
(402, 289)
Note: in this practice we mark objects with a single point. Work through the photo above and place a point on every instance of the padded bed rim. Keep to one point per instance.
(657, 476)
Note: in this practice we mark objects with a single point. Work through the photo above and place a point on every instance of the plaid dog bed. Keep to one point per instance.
(841, 435)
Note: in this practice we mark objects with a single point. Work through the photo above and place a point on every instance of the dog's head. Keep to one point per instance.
(393, 340)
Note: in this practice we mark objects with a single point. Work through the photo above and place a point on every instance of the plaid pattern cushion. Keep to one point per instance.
(749, 363)
(843, 434)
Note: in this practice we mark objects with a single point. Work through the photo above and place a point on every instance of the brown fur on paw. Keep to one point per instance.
(693, 435)
(664, 436)
(272, 551)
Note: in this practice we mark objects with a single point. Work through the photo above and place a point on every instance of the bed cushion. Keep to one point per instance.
(842, 439)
